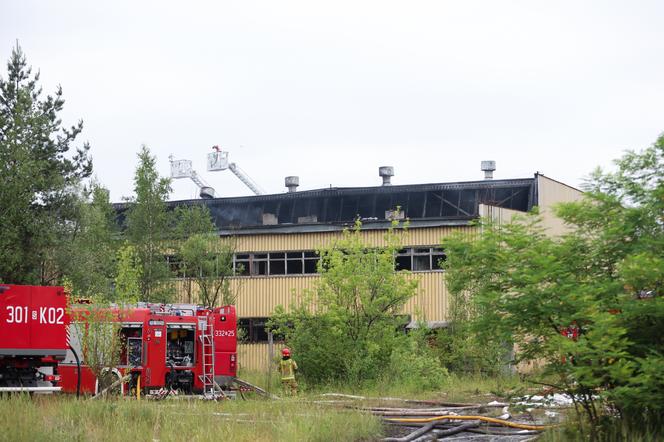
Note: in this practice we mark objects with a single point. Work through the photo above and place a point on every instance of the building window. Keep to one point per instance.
(276, 263)
(310, 262)
(182, 270)
(253, 329)
(415, 259)
(241, 264)
(420, 259)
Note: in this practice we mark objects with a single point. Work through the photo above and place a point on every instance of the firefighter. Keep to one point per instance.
(287, 368)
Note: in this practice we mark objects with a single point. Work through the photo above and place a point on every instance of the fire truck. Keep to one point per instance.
(33, 337)
(171, 347)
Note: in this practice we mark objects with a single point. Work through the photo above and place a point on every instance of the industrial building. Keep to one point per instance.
(276, 237)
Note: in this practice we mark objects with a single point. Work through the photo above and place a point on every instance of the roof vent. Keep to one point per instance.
(387, 172)
(311, 219)
(270, 219)
(395, 215)
(488, 167)
(292, 182)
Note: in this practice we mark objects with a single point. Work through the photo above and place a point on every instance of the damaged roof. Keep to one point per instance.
(426, 205)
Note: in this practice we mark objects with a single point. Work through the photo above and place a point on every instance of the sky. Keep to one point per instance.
(329, 91)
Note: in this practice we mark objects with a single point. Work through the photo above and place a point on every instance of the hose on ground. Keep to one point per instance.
(449, 432)
(482, 418)
(414, 435)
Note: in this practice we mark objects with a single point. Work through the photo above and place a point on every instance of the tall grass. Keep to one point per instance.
(457, 388)
(577, 429)
(63, 418)
(479, 389)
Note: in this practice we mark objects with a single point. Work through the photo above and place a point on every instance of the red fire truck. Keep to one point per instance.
(163, 346)
(33, 337)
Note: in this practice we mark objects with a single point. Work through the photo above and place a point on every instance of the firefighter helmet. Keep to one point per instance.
(285, 352)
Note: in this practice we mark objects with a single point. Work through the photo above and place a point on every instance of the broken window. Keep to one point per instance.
(276, 263)
(419, 259)
(294, 263)
(253, 329)
(311, 262)
(415, 259)
(241, 265)
(438, 256)
(259, 264)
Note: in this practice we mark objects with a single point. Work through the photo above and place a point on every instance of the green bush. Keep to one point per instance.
(414, 365)
(604, 277)
(347, 328)
(461, 351)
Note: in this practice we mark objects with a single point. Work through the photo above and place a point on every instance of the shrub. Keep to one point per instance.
(347, 327)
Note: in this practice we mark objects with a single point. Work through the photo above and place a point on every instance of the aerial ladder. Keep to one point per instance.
(184, 169)
(217, 160)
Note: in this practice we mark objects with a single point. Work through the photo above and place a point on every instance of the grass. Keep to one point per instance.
(612, 430)
(63, 418)
(456, 389)
(466, 388)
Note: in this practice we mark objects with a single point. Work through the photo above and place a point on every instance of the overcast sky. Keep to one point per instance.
(331, 90)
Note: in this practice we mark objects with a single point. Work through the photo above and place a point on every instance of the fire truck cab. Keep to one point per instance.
(33, 337)
(175, 346)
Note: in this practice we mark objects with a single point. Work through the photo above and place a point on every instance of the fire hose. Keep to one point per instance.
(481, 418)
(78, 371)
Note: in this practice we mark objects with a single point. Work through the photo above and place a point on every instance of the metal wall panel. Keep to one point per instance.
(431, 303)
(254, 357)
(313, 241)
(498, 215)
(258, 296)
(551, 192)
(261, 295)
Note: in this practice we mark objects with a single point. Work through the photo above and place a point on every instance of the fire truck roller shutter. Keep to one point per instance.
(180, 346)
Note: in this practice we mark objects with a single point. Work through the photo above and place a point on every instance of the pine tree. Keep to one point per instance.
(38, 176)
